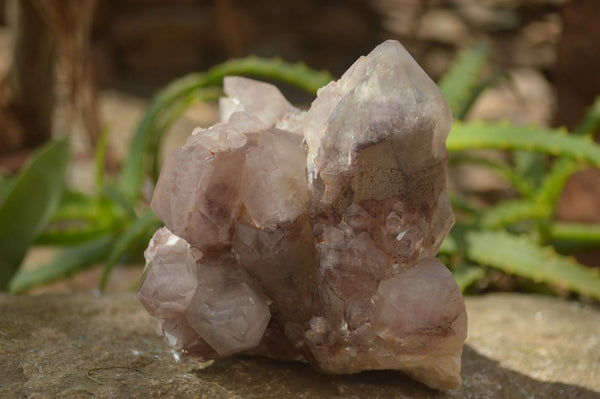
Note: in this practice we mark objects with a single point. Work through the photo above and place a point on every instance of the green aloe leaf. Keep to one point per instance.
(530, 166)
(5, 184)
(29, 204)
(518, 255)
(509, 212)
(64, 263)
(80, 218)
(591, 121)
(571, 237)
(503, 136)
(125, 205)
(554, 182)
(461, 81)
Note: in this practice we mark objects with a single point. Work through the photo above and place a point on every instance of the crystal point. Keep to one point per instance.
(170, 276)
(312, 236)
(228, 310)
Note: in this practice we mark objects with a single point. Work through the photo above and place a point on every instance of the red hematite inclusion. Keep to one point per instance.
(312, 236)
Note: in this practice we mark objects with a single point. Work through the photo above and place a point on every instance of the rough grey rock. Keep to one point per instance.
(78, 346)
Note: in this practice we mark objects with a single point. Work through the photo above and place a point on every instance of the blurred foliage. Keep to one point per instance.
(519, 237)
(27, 204)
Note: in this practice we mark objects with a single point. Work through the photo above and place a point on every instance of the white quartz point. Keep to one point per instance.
(228, 310)
(177, 332)
(169, 280)
(260, 99)
(383, 97)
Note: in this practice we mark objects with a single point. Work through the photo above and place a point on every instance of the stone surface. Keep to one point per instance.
(78, 346)
(314, 233)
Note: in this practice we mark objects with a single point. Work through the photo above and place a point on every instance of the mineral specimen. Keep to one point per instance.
(312, 236)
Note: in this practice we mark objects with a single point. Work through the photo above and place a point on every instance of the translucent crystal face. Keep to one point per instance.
(228, 310)
(312, 235)
(170, 277)
(275, 169)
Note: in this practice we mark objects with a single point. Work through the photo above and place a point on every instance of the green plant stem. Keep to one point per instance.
(554, 182)
(463, 204)
(99, 160)
(80, 218)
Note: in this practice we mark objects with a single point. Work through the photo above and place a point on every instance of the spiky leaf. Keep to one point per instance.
(518, 255)
(509, 212)
(465, 136)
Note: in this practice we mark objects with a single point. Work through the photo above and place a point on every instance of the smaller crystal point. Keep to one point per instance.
(228, 310)
(275, 168)
(312, 236)
(263, 100)
(416, 304)
(169, 281)
(197, 194)
(177, 332)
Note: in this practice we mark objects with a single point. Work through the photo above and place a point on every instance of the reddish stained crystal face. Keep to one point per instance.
(312, 235)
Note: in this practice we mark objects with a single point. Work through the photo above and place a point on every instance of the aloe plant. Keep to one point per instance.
(519, 237)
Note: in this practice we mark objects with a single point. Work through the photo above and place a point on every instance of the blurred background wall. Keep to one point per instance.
(57, 57)
(151, 41)
(139, 45)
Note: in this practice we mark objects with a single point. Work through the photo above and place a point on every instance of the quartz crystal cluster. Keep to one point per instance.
(312, 236)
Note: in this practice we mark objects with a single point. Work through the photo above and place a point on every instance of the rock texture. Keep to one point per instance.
(80, 346)
(312, 235)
